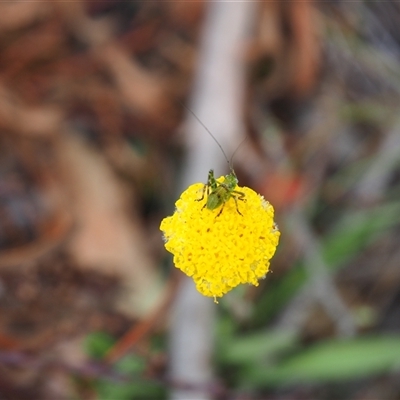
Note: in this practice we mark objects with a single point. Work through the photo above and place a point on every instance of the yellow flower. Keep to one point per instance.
(221, 251)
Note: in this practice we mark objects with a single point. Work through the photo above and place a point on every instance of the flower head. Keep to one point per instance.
(221, 249)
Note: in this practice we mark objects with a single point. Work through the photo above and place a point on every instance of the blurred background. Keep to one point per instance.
(95, 149)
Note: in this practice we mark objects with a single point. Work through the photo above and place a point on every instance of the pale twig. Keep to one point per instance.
(217, 101)
(372, 185)
(321, 286)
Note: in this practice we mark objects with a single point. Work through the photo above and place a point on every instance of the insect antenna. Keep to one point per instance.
(230, 164)
(237, 148)
(205, 127)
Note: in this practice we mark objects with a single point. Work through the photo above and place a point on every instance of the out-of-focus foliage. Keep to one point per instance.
(132, 368)
(330, 361)
(352, 233)
(90, 156)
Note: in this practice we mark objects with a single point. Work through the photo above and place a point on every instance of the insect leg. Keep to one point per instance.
(210, 185)
(237, 207)
(204, 190)
(211, 181)
(220, 211)
(240, 195)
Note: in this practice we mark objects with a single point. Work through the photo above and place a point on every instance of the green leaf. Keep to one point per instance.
(351, 234)
(256, 347)
(335, 360)
(277, 293)
(97, 344)
(368, 112)
(356, 230)
(133, 366)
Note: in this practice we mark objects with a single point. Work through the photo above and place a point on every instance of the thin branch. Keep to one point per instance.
(217, 102)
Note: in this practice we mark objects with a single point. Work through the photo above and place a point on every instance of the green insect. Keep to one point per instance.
(219, 193)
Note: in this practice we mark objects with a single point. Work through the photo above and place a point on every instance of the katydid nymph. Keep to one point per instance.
(218, 193)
